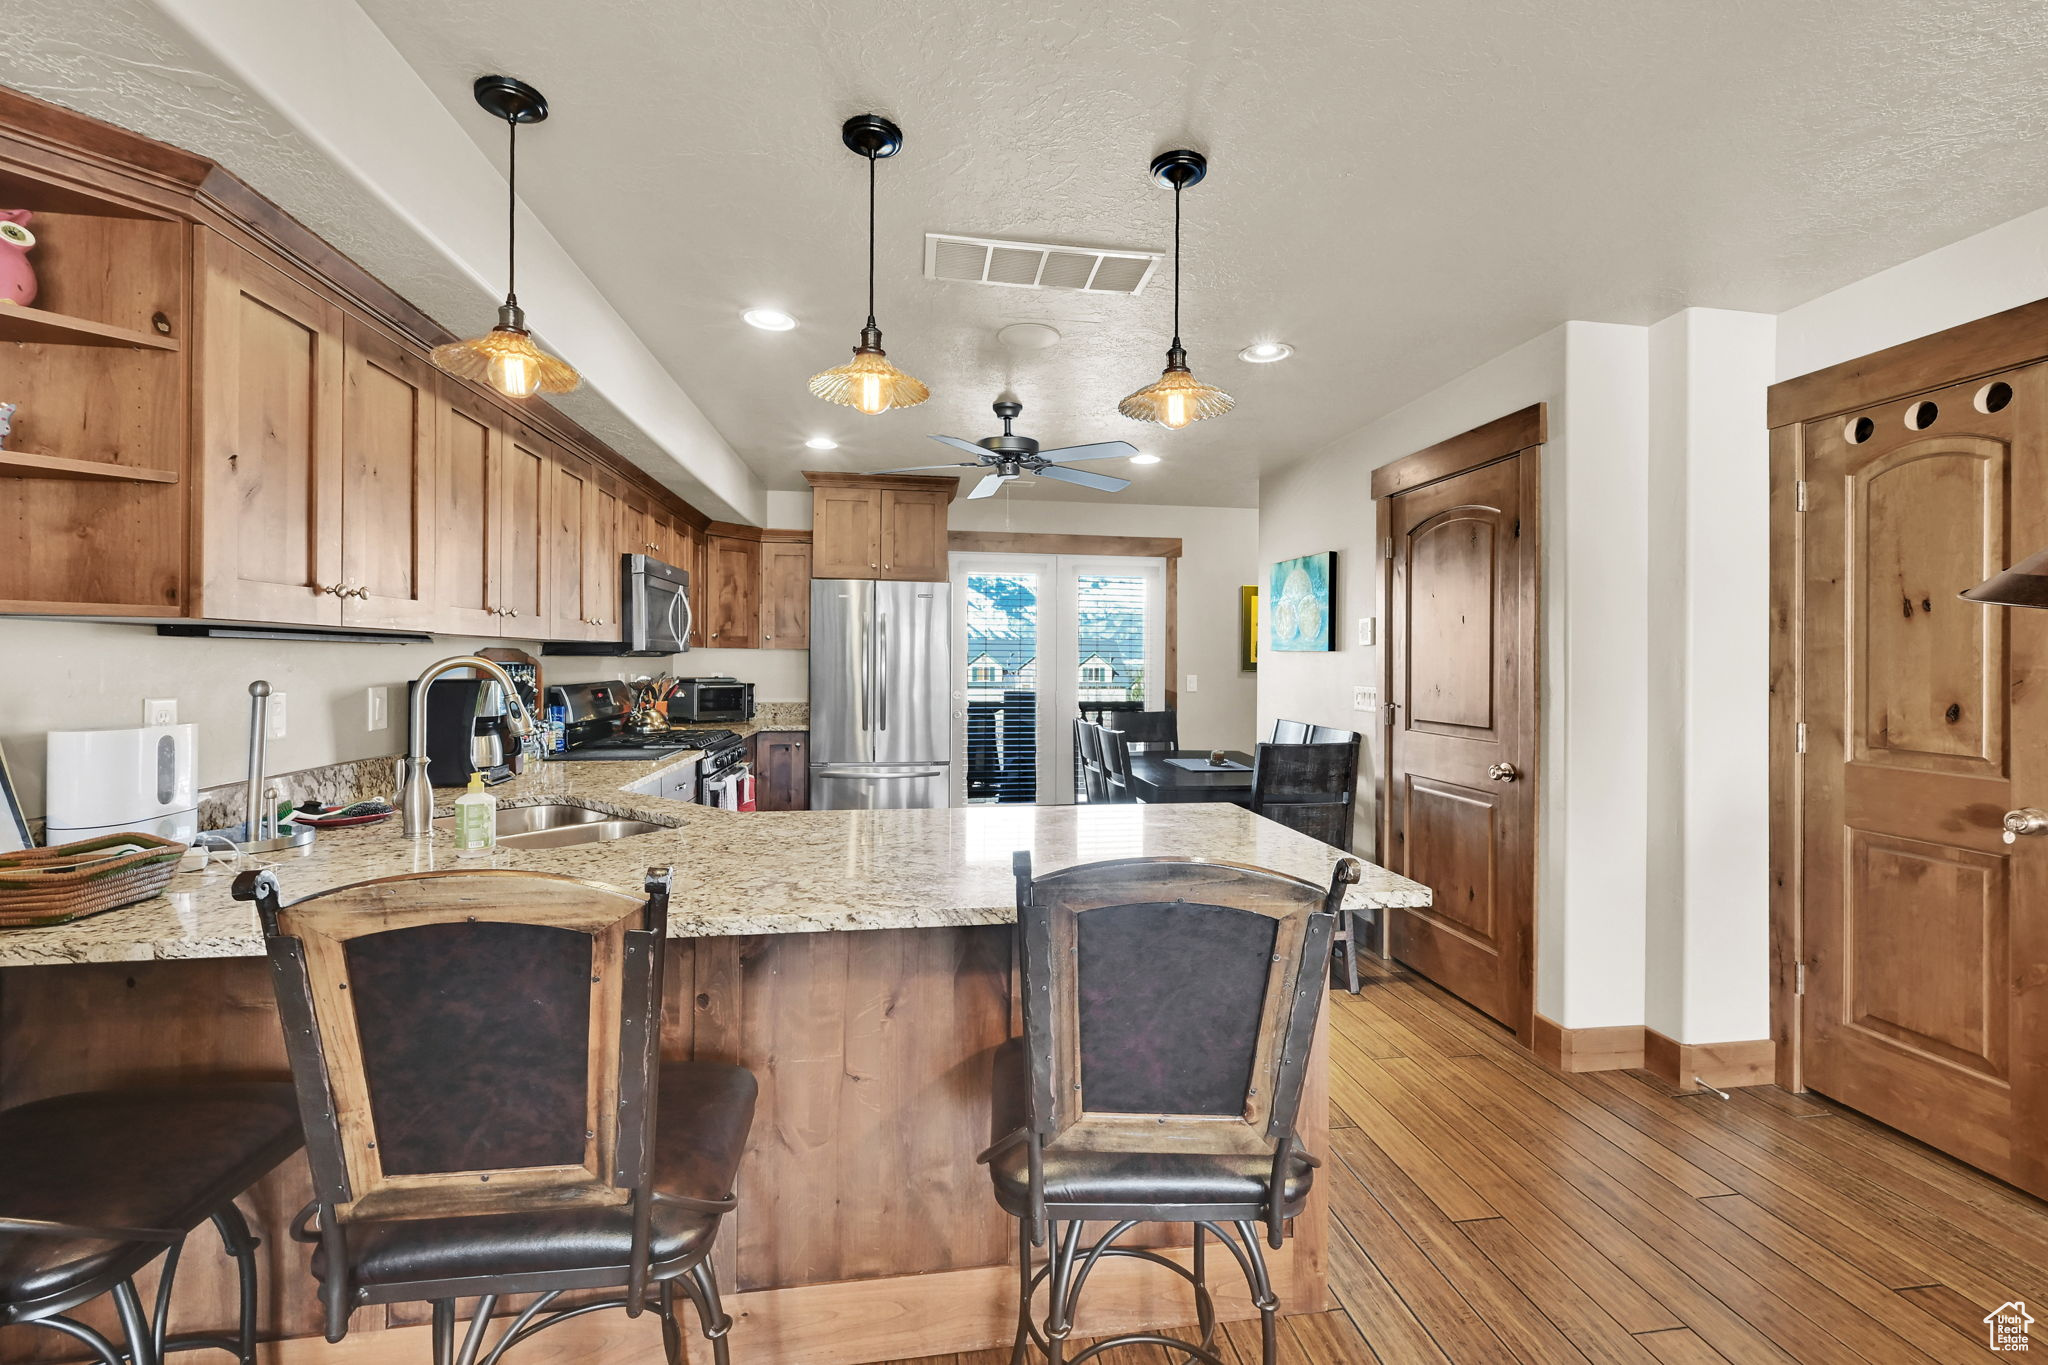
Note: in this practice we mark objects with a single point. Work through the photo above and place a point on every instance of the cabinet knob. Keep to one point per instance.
(361, 592)
(513, 612)
(332, 590)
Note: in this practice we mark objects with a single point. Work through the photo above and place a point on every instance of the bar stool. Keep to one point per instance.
(477, 1062)
(1310, 787)
(1165, 1044)
(95, 1186)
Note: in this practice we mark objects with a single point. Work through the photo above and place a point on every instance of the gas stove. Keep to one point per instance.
(625, 749)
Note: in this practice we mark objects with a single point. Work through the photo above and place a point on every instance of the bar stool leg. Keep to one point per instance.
(1021, 1350)
(79, 1332)
(135, 1324)
(444, 1332)
(702, 1286)
(235, 1238)
(671, 1333)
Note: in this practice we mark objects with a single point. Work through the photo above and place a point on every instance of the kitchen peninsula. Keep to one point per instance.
(855, 961)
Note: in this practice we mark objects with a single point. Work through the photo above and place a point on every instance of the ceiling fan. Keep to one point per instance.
(1009, 455)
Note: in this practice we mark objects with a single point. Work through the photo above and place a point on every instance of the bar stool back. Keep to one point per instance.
(477, 1061)
(1169, 1006)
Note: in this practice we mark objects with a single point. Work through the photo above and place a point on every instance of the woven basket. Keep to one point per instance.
(70, 881)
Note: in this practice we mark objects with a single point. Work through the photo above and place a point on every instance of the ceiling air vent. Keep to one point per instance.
(1037, 265)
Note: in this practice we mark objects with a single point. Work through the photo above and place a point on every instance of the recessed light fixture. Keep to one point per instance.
(1144, 459)
(821, 443)
(1265, 352)
(768, 319)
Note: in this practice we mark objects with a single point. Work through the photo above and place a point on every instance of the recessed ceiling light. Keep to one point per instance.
(1265, 352)
(768, 319)
(822, 443)
(1144, 459)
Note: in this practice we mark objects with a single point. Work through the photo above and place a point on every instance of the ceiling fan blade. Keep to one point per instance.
(970, 447)
(1101, 450)
(988, 486)
(1084, 478)
(912, 469)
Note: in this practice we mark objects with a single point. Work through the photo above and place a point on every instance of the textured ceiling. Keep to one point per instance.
(1401, 190)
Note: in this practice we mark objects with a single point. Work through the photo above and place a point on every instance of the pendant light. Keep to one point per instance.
(505, 357)
(2025, 584)
(868, 381)
(1177, 398)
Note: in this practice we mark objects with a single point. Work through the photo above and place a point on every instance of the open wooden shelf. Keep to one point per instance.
(20, 464)
(39, 325)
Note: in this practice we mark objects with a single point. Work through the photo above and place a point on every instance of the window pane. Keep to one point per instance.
(1002, 687)
(1112, 639)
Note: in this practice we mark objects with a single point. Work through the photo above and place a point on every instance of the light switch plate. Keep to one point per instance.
(379, 708)
(277, 715)
(160, 711)
(1364, 698)
(1194, 683)
(1368, 630)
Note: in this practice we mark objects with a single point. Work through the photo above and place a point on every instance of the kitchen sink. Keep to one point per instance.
(559, 826)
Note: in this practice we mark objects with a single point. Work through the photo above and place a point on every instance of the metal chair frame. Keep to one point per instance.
(649, 1284)
(1058, 1225)
(1346, 946)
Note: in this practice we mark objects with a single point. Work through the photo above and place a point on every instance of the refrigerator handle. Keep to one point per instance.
(881, 661)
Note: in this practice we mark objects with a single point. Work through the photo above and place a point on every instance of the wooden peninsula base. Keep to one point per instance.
(865, 1231)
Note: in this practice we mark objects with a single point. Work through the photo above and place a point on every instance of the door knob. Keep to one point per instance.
(2026, 820)
(1503, 772)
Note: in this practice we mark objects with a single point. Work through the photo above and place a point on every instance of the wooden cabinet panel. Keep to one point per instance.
(388, 508)
(914, 534)
(782, 770)
(785, 595)
(270, 457)
(660, 537)
(601, 559)
(562, 547)
(524, 481)
(634, 535)
(846, 532)
(732, 598)
(468, 537)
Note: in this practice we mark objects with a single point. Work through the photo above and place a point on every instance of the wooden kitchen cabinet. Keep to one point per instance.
(270, 457)
(868, 526)
(785, 591)
(782, 770)
(601, 561)
(568, 511)
(521, 603)
(732, 592)
(469, 467)
(390, 431)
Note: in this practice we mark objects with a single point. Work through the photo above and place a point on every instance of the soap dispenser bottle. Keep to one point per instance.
(476, 818)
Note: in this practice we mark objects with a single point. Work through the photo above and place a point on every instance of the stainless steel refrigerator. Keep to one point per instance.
(881, 679)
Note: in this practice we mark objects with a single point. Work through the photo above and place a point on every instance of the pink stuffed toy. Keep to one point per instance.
(17, 276)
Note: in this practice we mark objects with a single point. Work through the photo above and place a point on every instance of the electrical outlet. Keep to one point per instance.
(1194, 683)
(1368, 631)
(160, 711)
(379, 708)
(1364, 698)
(277, 715)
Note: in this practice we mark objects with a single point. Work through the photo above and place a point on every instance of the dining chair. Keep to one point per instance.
(1088, 751)
(1116, 764)
(1329, 734)
(1169, 1006)
(476, 1055)
(1290, 732)
(1312, 788)
(1153, 729)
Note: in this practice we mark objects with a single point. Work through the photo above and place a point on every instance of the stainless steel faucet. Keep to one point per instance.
(418, 792)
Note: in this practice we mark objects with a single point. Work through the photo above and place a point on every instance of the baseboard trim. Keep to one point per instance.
(1632, 1047)
(1618, 1048)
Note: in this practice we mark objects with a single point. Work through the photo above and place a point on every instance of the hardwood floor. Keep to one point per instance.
(1488, 1209)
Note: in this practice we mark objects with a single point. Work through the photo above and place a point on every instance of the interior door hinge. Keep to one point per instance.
(1799, 978)
(1386, 547)
(1799, 738)
(1799, 495)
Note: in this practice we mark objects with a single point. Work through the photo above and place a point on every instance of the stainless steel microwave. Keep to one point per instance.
(654, 613)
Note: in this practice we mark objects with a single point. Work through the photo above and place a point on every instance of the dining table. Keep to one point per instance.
(1154, 779)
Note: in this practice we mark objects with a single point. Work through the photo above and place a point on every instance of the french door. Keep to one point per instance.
(1034, 638)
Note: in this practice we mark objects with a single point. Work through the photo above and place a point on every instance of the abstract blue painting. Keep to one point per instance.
(1299, 604)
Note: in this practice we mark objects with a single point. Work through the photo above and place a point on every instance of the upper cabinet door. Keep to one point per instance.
(785, 595)
(733, 568)
(601, 559)
(569, 495)
(388, 507)
(519, 598)
(661, 538)
(469, 468)
(846, 532)
(270, 444)
(914, 534)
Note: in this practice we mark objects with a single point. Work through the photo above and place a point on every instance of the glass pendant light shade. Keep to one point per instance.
(869, 383)
(505, 357)
(1176, 398)
(2025, 584)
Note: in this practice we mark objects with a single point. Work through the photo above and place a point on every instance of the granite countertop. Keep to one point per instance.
(755, 873)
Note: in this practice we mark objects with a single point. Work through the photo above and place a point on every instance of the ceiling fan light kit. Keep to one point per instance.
(505, 357)
(1177, 398)
(1010, 456)
(869, 383)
